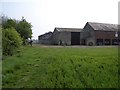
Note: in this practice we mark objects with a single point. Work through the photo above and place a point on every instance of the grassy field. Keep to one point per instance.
(43, 67)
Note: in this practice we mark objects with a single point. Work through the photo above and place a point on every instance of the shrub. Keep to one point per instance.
(11, 41)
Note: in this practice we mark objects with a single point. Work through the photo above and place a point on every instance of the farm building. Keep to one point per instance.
(100, 34)
(91, 34)
(66, 36)
(45, 38)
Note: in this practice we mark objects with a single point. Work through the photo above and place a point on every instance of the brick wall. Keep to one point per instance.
(105, 34)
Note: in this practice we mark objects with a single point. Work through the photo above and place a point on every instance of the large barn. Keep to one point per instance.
(100, 34)
(66, 36)
(92, 34)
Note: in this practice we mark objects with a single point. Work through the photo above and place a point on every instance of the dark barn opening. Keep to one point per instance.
(115, 42)
(75, 38)
(99, 42)
(107, 41)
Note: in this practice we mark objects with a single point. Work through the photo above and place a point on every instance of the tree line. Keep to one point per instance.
(14, 34)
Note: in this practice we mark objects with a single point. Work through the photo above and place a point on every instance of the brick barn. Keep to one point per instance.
(100, 34)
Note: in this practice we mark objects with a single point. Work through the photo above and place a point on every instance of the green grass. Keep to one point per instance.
(38, 67)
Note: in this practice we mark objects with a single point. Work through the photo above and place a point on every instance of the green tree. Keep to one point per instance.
(9, 23)
(24, 28)
(14, 33)
(11, 41)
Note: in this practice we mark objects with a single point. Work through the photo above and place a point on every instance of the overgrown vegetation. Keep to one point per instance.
(14, 34)
(39, 67)
(11, 41)
(0, 42)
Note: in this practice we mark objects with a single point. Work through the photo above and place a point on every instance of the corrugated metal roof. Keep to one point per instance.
(69, 29)
(103, 26)
(46, 35)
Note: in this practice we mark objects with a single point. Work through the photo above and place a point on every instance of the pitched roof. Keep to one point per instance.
(103, 26)
(46, 35)
(68, 29)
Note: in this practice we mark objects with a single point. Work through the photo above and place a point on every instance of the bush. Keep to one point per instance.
(0, 42)
(11, 41)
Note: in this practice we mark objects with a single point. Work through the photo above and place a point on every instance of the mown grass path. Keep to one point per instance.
(48, 67)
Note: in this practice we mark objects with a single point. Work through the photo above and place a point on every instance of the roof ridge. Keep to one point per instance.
(102, 23)
(103, 26)
(67, 28)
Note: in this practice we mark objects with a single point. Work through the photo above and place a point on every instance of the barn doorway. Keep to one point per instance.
(75, 38)
(107, 41)
(99, 42)
(115, 41)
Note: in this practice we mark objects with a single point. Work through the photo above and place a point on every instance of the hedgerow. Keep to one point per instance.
(11, 41)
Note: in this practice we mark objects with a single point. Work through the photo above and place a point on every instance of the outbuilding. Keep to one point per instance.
(92, 34)
(66, 36)
(100, 34)
(45, 38)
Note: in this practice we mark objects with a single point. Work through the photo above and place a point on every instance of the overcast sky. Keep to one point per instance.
(45, 15)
